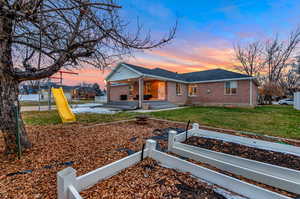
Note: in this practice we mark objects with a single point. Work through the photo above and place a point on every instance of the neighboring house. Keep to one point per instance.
(215, 87)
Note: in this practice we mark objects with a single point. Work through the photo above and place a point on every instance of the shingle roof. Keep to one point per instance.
(210, 75)
(157, 72)
(207, 75)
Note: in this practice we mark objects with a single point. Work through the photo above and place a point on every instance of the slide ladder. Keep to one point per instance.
(62, 106)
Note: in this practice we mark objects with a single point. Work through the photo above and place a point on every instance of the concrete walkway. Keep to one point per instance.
(36, 108)
(157, 110)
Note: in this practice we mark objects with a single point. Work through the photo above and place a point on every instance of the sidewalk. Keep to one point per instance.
(36, 108)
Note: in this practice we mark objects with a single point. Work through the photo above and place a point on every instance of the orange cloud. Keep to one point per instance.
(87, 75)
(187, 58)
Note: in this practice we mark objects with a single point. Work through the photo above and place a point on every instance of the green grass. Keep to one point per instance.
(52, 117)
(281, 121)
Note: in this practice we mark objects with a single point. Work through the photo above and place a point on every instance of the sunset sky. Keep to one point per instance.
(206, 32)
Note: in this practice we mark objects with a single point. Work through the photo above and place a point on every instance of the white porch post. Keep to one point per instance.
(108, 91)
(141, 92)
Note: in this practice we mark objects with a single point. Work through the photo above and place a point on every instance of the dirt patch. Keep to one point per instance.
(271, 157)
(149, 180)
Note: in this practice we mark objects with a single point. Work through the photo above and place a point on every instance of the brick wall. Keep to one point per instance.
(171, 93)
(213, 94)
(215, 97)
(116, 91)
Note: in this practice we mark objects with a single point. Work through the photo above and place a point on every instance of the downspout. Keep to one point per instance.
(251, 92)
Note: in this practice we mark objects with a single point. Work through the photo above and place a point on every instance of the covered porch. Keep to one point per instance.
(138, 90)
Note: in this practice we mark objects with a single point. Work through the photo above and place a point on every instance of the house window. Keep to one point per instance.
(231, 88)
(178, 89)
(192, 90)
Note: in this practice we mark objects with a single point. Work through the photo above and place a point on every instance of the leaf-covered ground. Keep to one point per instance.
(149, 180)
(57, 147)
(85, 148)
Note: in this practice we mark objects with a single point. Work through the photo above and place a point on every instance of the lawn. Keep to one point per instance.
(281, 121)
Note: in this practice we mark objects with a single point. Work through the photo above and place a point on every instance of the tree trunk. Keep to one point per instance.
(9, 88)
(9, 106)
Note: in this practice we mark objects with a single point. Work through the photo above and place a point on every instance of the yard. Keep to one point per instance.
(56, 147)
(282, 121)
(87, 145)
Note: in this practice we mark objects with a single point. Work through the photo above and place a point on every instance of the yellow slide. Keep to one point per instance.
(62, 106)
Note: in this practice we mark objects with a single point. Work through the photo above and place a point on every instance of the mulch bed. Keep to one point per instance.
(56, 147)
(85, 148)
(271, 157)
(149, 180)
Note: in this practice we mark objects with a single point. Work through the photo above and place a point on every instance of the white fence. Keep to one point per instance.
(297, 100)
(69, 185)
(102, 99)
(276, 176)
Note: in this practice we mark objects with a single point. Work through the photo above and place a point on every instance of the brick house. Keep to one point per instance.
(215, 87)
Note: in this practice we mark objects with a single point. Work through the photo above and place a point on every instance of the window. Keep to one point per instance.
(178, 89)
(192, 90)
(231, 88)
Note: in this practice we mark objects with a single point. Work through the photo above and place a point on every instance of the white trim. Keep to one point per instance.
(118, 66)
(164, 78)
(120, 84)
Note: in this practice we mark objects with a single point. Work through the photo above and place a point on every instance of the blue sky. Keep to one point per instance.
(206, 27)
(207, 30)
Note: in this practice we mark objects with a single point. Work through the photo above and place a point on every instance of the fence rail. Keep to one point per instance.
(69, 185)
(276, 176)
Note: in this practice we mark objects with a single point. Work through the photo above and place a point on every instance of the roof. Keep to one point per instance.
(201, 76)
(157, 72)
(214, 74)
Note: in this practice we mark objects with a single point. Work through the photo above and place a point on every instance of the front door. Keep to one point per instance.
(161, 90)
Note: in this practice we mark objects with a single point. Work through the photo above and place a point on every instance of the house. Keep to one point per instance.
(215, 87)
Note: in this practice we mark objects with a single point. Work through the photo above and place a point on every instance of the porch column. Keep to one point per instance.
(108, 91)
(141, 92)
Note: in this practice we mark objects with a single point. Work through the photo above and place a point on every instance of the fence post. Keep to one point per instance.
(171, 139)
(65, 178)
(150, 145)
(195, 126)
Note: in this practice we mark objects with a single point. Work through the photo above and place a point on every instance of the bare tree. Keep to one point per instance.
(278, 56)
(288, 81)
(250, 58)
(56, 34)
